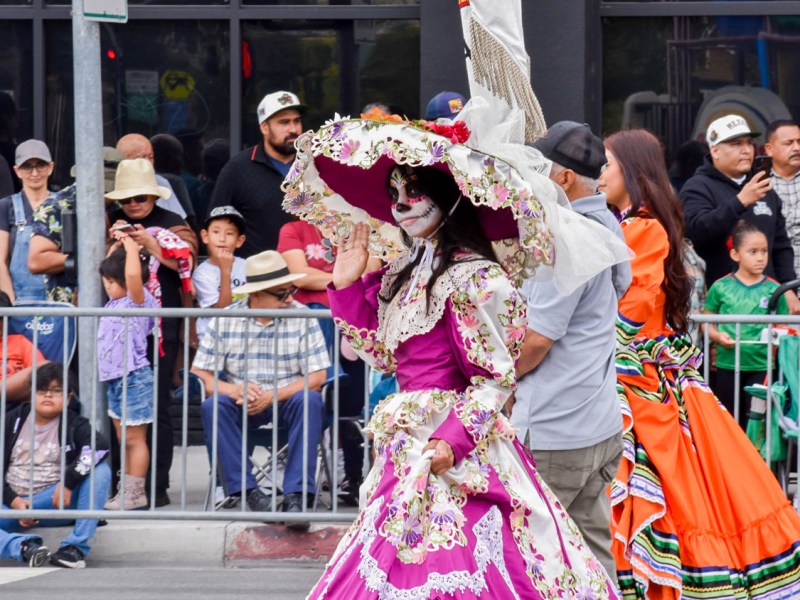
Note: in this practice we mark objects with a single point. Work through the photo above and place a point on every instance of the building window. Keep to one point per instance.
(16, 86)
(158, 77)
(334, 66)
(673, 75)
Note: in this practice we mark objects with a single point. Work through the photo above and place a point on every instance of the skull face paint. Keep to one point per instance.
(412, 209)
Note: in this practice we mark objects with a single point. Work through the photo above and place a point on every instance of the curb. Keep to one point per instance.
(248, 545)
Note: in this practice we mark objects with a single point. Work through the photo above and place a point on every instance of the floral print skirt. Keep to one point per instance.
(487, 528)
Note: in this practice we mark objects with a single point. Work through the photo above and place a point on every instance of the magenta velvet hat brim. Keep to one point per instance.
(367, 189)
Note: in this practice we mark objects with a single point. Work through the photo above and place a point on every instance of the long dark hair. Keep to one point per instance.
(461, 231)
(641, 160)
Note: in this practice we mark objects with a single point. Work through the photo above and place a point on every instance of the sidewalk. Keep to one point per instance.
(195, 543)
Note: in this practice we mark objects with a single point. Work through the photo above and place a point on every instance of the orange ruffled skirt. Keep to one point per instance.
(696, 513)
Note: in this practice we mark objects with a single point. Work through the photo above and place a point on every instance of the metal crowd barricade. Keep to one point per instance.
(93, 407)
(769, 321)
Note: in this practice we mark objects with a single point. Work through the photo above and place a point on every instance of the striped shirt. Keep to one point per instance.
(789, 192)
(243, 348)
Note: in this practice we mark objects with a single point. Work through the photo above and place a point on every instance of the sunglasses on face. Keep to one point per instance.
(137, 199)
(281, 296)
(30, 167)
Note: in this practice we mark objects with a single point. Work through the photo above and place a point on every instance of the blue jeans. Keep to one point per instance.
(82, 532)
(290, 416)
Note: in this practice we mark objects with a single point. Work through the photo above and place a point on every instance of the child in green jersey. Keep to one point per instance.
(744, 292)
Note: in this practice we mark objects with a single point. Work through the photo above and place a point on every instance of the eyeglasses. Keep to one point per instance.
(40, 167)
(53, 391)
(137, 199)
(281, 296)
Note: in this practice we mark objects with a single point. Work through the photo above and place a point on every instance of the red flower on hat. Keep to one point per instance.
(458, 132)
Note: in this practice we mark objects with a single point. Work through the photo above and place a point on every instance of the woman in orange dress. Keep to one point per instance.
(696, 512)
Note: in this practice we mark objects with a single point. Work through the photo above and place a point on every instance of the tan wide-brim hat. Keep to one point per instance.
(111, 159)
(136, 177)
(266, 270)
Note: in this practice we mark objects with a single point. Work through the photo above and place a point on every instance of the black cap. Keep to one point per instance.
(226, 212)
(574, 146)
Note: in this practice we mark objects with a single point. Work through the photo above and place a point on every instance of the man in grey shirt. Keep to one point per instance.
(567, 410)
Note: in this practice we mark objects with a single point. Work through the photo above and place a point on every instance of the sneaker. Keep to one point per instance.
(219, 495)
(69, 557)
(258, 501)
(293, 503)
(34, 553)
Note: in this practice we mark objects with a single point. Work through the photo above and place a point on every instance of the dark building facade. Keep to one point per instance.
(198, 70)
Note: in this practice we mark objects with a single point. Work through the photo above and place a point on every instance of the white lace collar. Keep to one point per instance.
(405, 315)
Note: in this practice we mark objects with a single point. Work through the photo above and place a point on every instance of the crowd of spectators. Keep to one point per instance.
(255, 256)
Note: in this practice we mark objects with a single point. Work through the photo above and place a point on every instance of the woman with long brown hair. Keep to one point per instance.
(696, 512)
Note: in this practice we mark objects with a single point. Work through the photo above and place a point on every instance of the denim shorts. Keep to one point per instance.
(140, 397)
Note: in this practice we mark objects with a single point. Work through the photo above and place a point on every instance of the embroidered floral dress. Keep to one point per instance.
(696, 513)
(488, 527)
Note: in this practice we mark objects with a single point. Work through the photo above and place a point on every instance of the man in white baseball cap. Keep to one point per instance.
(728, 129)
(722, 192)
(251, 181)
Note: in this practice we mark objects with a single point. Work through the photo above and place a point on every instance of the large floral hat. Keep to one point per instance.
(340, 172)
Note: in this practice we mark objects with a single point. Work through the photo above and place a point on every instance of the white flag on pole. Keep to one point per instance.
(497, 64)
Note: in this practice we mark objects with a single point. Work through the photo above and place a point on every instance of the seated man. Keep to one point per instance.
(243, 349)
(19, 361)
(44, 428)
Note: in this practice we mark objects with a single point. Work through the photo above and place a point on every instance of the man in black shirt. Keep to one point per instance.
(251, 181)
(722, 192)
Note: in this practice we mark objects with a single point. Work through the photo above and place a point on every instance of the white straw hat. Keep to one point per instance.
(266, 270)
(136, 177)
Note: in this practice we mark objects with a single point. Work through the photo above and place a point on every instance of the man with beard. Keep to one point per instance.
(251, 180)
(783, 145)
(723, 191)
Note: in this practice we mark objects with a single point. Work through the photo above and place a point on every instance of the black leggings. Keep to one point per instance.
(725, 385)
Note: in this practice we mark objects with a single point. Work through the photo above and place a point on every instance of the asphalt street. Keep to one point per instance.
(158, 581)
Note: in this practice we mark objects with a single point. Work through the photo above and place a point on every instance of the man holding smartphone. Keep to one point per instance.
(783, 146)
(725, 190)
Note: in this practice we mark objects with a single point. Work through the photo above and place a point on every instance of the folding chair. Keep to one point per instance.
(783, 426)
(262, 437)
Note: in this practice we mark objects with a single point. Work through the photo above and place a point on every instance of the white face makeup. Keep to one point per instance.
(413, 211)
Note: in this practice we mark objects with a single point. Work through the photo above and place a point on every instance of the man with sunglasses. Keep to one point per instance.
(264, 361)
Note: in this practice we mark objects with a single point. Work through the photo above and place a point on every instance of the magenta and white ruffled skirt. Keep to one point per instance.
(488, 528)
